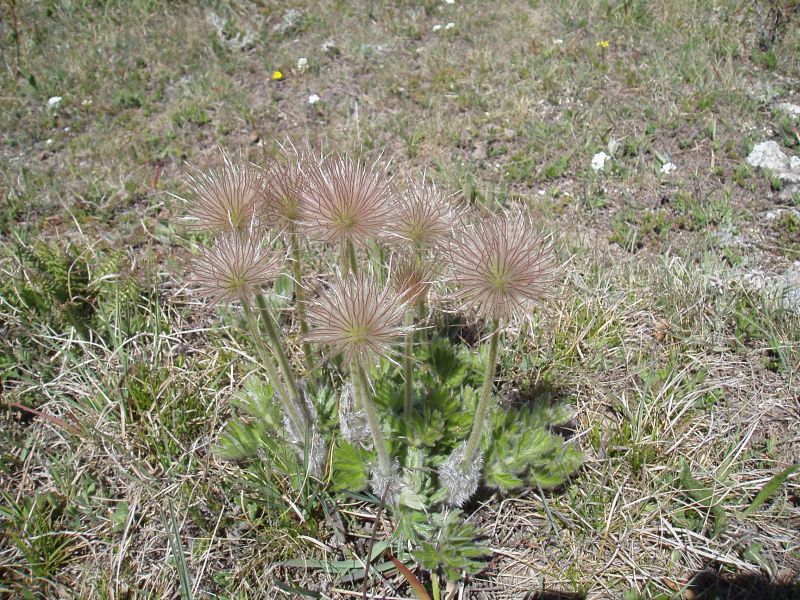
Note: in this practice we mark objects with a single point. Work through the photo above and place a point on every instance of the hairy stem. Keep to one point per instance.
(350, 257)
(297, 273)
(408, 366)
(267, 360)
(474, 442)
(283, 361)
(361, 385)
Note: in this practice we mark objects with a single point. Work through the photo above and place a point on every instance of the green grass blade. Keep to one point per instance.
(769, 488)
(180, 557)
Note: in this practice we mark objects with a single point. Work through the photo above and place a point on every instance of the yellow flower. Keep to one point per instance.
(277, 76)
(603, 44)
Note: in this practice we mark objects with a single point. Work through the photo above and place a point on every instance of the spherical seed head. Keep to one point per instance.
(357, 319)
(411, 278)
(501, 265)
(347, 200)
(284, 182)
(227, 198)
(235, 267)
(425, 216)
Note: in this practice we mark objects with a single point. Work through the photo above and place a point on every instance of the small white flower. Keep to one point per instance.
(668, 168)
(86, 102)
(54, 102)
(599, 161)
(436, 28)
(302, 64)
(449, 25)
(49, 141)
(449, 1)
(557, 41)
(313, 99)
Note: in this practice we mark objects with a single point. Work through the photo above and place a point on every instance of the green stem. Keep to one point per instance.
(361, 385)
(408, 366)
(474, 442)
(435, 584)
(283, 361)
(351, 260)
(422, 309)
(297, 273)
(268, 361)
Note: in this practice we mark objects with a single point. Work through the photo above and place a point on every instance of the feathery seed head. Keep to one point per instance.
(235, 267)
(284, 182)
(227, 198)
(411, 278)
(425, 216)
(501, 265)
(347, 200)
(357, 319)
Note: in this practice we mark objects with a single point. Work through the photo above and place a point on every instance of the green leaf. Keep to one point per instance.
(769, 488)
(349, 467)
(704, 497)
(503, 481)
(283, 291)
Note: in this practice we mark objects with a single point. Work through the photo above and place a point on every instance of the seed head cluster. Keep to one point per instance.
(498, 265)
(501, 265)
(357, 319)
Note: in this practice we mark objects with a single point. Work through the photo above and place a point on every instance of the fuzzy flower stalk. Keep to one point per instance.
(501, 266)
(424, 220)
(411, 280)
(361, 322)
(347, 202)
(235, 268)
(282, 202)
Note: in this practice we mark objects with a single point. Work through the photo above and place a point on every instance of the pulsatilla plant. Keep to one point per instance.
(346, 282)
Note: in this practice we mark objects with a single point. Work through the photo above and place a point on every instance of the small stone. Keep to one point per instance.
(790, 109)
(599, 161)
(289, 21)
(329, 47)
(768, 155)
(480, 152)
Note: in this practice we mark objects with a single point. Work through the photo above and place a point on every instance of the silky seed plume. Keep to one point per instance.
(357, 319)
(235, 267)
(227, 198)
(346, 200)
(501, 265)
(425, 216)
